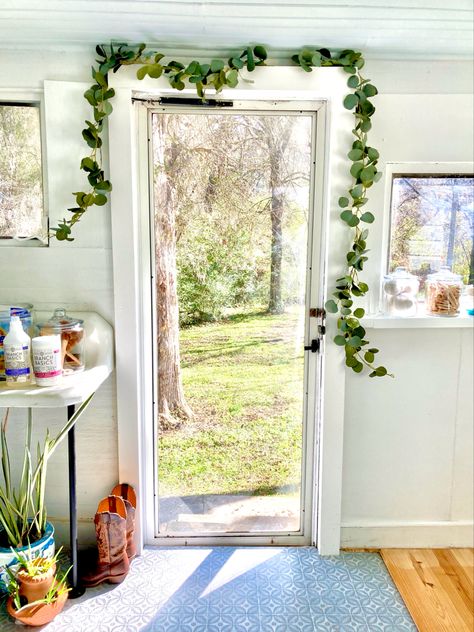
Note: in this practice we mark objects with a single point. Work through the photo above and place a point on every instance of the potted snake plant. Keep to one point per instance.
(23, 517)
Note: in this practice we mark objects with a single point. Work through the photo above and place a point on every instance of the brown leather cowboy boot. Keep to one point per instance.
(111, 533)
(126, 491)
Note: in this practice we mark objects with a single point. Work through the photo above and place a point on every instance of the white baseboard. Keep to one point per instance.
(441, 534)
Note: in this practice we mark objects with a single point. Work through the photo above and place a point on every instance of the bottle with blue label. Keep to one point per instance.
(17, 350)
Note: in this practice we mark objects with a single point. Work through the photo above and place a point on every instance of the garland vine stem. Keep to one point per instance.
(219, 74)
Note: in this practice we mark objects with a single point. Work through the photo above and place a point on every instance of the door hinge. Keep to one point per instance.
(317, 312)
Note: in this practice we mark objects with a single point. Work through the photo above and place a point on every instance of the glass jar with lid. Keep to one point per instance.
(443, 293)
(400, 289)
(72, 339)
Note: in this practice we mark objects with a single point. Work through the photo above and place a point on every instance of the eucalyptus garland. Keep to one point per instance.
(219, 74)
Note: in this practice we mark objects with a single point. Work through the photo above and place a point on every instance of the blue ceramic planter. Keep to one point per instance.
(44, 547)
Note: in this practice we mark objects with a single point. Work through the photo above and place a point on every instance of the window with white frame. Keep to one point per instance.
(432, 224)
(22, 209)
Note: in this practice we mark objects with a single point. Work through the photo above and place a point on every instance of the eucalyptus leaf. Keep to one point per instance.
(355, 154)
(353, 81)
(331, 306)
(350, 101)
(367, 217)
(354, 341)
(217, 65)
(343, 202)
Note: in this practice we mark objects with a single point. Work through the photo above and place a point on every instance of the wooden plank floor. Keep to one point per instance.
(437, 586)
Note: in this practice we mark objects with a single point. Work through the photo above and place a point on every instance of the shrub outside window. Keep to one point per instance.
(22, 214)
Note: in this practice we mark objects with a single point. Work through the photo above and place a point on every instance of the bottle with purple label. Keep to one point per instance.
(17, 350)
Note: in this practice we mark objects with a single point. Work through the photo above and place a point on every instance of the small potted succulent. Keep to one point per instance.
(36, 592)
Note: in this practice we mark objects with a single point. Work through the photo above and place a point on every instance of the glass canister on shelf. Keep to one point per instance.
(25, 312)
(443, 293)
(400, 289)
(72, 339)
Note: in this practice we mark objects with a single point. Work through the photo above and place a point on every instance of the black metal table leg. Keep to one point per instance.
(76, 589)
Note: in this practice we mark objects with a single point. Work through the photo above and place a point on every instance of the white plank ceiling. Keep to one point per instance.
(390, 29)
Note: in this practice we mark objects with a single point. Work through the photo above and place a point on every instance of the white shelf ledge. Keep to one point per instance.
(417, 322)
(74, 389)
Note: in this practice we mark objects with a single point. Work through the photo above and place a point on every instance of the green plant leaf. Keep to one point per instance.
(346, 216)
(357, 191)
(354, 341)
(155, 71)
(356, 169)
(367, 217)
(236, 63)
(232, 78)
(355, 154)
(343, 202)
(260, 52)
(142, 72)
(351, 361)
(250, 60)
(331, 306)
(107, 108)
(367, 174)
(370, 90)
(372, 153)
(100, 200)
(353, 81)
(217, 65)
(340, 340)
(369, 357)
(350, 101)
(359, 312)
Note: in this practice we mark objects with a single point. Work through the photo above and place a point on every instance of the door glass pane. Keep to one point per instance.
(231, 209)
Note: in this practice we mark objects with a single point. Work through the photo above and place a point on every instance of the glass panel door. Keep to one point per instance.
(232, 209)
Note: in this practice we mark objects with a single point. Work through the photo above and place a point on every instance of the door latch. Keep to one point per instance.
(317, 312)
(314, 346)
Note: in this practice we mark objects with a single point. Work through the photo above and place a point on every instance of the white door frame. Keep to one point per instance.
(132, 282)
(312, 293)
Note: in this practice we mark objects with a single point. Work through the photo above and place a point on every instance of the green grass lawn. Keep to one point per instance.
(243, 378)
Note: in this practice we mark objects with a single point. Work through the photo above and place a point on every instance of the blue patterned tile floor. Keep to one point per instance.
(227, 589)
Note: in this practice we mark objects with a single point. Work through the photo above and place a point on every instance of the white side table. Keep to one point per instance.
(74, 389)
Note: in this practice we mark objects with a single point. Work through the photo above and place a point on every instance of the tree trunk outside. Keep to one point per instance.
(278, 133)
(275, 304)
(452, 229)
(172, 405)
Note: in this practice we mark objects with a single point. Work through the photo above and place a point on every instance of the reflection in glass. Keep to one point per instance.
(231, 195)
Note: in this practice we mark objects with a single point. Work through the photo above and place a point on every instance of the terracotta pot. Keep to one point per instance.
(35, 588)
(40, 548)
(37, 615)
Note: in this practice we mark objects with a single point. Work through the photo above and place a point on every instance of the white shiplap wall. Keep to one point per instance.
(408, 444)
(428, 29)
(77, 275)
(396, 450)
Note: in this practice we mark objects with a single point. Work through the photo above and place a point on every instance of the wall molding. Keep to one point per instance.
(406, 534)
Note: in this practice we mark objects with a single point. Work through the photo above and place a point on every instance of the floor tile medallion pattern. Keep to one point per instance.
(227, 589)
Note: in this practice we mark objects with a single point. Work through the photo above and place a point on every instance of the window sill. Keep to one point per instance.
(380, 321)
